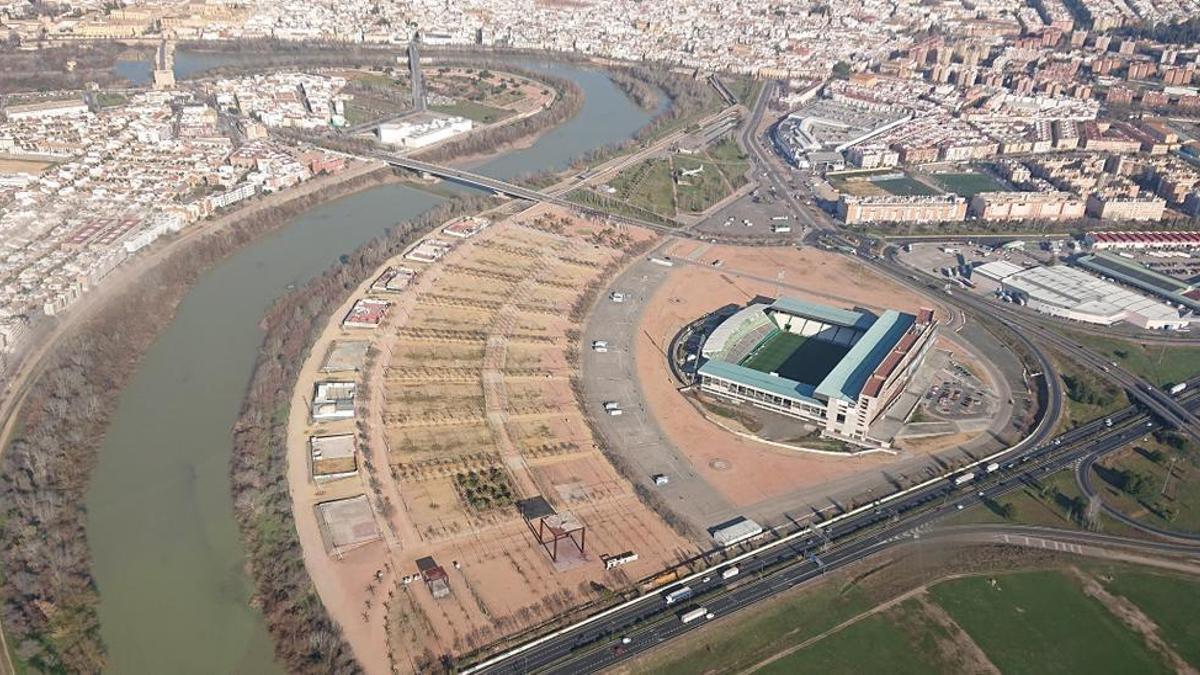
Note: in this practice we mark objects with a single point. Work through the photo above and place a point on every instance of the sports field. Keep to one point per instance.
(904, 186)
(968, 184)
(795, 357)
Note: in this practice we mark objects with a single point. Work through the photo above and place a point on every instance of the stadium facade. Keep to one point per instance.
(837, 368)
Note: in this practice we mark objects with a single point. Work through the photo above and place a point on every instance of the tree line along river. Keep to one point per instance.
(174, 597)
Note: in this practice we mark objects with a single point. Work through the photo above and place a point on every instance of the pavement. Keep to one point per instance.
(809, 554)
(636, 435)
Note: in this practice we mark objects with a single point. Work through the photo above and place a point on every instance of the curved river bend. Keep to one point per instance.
(174, 597)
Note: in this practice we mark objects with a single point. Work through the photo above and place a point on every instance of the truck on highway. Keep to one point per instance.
(693, 614)
(1177, 388)
(679, 594)
(729, 572)
(964, 478)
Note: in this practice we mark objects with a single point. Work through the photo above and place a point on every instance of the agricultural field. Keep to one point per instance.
(968, 184)
(1077, 616)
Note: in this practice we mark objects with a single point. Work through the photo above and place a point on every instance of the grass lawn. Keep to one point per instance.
(876, 644)
(1051, 506)
(649, 186)
(1079, 411)
(699, 191)
(758, 635)
(476, 112)
(968, 184)
(608, 204)
(744, 88)
(1161, 364)
(904, 186)
(795, 357)
(659, 186)
(1182, 489)
(1171, 601)
(1041, 622)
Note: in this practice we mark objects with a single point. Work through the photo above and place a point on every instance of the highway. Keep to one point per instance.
(589, 646)
(836, 543)
(1033, 328)
(806, 553)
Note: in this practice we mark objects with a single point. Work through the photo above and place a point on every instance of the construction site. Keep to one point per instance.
(476, 458)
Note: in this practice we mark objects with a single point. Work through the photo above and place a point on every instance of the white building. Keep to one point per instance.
(419, 131)
(1076, 295)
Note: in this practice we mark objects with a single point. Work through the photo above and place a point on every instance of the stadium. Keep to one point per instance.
(837, 368)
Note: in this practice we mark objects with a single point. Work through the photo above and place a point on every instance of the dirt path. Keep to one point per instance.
(918, 591)
(1134, 618)
(960, 648)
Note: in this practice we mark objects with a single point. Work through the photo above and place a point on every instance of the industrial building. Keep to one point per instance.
(1073, 294)
(423, 129)
(735, 532)
(837, 368)
(1132, 273)
(1101, 241)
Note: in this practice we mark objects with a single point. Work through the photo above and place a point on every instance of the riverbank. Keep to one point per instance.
(159, 518)
(64, 401)
(285, 571)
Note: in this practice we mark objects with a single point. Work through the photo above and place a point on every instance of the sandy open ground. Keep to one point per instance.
(745, 471)
(465, 406)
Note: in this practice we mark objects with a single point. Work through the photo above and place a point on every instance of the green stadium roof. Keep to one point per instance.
(832, 315)
(847, 378)
(780, 386)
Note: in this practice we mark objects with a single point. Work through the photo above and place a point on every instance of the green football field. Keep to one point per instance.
(795, 357)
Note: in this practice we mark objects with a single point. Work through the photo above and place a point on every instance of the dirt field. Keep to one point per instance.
(749, 472)
(11, 165)
(465, 407)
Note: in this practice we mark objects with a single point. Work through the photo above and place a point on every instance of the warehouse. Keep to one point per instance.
(837, 368)
(1076, 295)
(1130, 272)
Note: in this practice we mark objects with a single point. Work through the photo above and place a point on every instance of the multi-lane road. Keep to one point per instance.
(647, 621)
(838, 542)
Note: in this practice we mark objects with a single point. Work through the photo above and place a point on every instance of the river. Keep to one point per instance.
(174, 597)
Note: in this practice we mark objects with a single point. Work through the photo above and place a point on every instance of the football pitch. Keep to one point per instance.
(795, 357)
